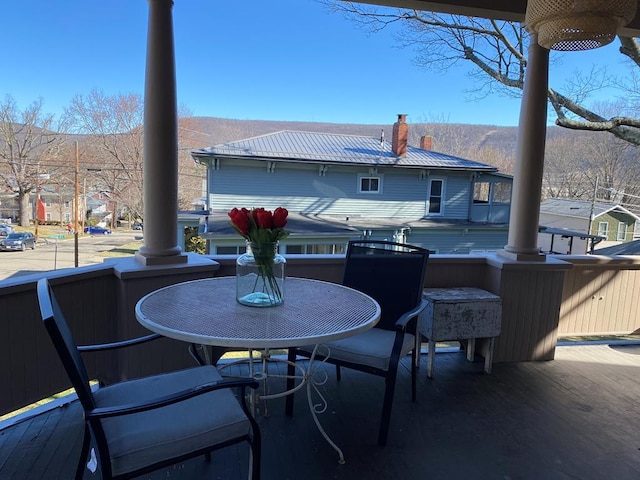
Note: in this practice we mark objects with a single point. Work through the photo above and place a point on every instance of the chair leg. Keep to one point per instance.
(84, 453)
(288, 402)
(386, 410)
(414, 368)
(256, 452)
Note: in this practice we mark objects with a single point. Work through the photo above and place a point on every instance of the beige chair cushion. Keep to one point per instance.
(144, 438)
(372, 348)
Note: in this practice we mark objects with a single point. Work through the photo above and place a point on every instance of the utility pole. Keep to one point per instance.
(593, 206)
(75, 224)
(84, 204)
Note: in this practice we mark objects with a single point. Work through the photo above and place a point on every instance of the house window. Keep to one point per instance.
(370, 185)
(603, 229)
(435, 205)
(67, 204)
(47, 202)
(481, 192)
(67, 217)
(622, 231)
(486, 192)
(502, 192)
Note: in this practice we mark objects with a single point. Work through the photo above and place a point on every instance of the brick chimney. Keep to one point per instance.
(426, 142)
(400, 134)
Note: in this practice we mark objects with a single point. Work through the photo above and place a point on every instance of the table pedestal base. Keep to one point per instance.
(312, 377)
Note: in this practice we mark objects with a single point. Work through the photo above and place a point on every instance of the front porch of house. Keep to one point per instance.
(574, 417)
(530, 418)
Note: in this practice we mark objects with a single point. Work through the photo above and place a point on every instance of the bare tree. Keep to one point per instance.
(191, 175)
(592, 166)
(113, 148)
(30, 147)
(497, 50)
(566, 169)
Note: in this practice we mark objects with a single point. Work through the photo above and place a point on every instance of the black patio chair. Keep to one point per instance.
(393, 274)
(141, 425)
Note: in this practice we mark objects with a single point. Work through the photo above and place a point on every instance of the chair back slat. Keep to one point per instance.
(392, 273)
(64, 344)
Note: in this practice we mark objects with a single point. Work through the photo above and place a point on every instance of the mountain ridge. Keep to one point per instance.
(455, 139)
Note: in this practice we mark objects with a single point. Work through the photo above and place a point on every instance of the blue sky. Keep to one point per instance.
(277, 60)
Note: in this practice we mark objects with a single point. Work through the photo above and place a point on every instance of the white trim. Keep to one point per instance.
(442, 197)
(362, 176)
(606, 229)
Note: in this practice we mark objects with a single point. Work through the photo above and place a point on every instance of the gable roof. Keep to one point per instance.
(329, 148)
(580, 208)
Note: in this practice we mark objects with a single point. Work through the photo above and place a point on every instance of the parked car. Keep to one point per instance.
(95, 230)
(5, 229)
(18, 241)
(137, 226)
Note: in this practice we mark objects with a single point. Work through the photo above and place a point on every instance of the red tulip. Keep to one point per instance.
(263, 218)
(280, 217)
(240, 220)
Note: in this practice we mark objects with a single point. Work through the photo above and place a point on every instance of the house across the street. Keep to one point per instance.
(585, 225)
(339, 187)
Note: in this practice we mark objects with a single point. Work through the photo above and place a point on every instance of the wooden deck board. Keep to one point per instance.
(574, 417)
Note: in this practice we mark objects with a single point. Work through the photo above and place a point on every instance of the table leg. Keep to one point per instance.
(312, 378)
(488, 359)
(322, 406)
(193, 351)
(266, 357)
(431, 356)
(253, 394)
(471, 349)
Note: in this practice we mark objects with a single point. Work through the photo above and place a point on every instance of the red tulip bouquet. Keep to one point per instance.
(262, 229)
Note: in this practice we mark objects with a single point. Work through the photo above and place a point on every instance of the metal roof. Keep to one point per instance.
(217, 224)
(328, 148)
(627, 248)
(580, 208)
(569, 233)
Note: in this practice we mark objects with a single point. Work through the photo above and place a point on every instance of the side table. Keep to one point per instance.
(460, 313)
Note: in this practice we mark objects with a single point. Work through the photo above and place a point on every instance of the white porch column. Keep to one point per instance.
(160, 146)
(527, 178)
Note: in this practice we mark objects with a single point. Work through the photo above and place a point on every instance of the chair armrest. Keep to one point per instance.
(123, 343)
(127, 409)
(402, 322)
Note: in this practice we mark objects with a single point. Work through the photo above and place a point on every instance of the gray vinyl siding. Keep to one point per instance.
(336, 193)
(457, 191)
(301, 188)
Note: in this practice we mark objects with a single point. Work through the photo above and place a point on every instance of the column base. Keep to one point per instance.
(522, 257)
(164, 260)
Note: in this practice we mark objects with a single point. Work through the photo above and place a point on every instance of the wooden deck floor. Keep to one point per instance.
(577, 417)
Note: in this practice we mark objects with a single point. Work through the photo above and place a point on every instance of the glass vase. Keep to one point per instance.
(260, 275)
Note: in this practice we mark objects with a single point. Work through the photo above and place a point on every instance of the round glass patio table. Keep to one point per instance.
(206, 312)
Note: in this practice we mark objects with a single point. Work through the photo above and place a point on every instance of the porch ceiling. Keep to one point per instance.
(499, 9)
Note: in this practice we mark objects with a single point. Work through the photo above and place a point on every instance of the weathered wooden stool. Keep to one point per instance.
(460, 313)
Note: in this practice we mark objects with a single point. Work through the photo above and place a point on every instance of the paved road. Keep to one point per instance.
(59, 254)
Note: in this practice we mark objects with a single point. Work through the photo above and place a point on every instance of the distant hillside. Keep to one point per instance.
(447, 138)
(488, 144)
